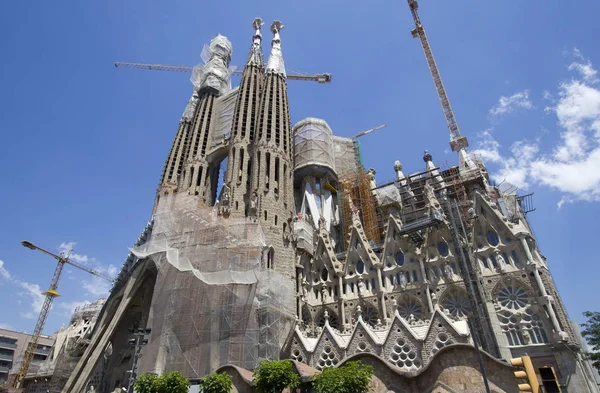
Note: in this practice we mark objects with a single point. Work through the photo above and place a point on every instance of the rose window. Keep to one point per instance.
(410, 307)
(513, 298)
(457, 304)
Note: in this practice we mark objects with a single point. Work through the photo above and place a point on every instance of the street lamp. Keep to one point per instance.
(137, 342)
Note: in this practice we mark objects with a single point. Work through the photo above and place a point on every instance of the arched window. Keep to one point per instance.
(324, 274)
(515, 258)
(443, 249)
(360, 267)
(399, 258)
(271, 258)
(518, 320)
(492, 238)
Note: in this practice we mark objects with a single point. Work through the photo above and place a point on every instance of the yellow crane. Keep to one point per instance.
(321, 78)
(457, 141)
(51, 293)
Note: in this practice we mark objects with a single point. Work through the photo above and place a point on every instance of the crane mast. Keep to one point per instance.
(457, 141)
(50, 294)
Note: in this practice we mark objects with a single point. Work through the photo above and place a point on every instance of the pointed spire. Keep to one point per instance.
(275, 64)
(255, 58)
(433, 173)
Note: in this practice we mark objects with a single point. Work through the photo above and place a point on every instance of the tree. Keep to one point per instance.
(147, 383)
(272, 376)
(352, 377)
(173, 382)
(216, 383)
(591, 332)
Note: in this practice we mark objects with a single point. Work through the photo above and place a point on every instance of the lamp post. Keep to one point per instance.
(137, 342)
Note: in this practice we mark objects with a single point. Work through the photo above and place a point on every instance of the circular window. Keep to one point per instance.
(324, 274)
(443, 249)
(399, 258)
(458, 305)
(513, 298)
(360, 267)
(492, 238)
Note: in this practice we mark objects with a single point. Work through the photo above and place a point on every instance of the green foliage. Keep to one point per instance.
(147, 383)
(216, 383)
(591, 332)
(173, 382)
(272, 376)
(352, 377)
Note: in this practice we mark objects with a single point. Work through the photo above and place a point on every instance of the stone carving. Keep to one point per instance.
(403, 281)
(225, 207)
(448, 272)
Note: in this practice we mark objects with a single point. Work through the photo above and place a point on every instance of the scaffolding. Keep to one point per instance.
(213, 303)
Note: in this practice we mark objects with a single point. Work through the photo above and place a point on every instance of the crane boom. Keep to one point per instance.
(370, 130)
(50, 294)
(321, 78)
(457, 142)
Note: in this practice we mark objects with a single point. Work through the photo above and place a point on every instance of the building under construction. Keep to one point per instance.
(300, 254)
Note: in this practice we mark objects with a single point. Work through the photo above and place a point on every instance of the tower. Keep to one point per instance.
(271, 199)
(239, 163)
(187, 166)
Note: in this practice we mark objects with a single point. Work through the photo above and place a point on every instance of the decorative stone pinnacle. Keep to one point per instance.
(276, 27)
(397, 166)
(257, 24)
(427, 157)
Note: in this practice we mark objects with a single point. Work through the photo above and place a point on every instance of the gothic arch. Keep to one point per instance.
(519, 319)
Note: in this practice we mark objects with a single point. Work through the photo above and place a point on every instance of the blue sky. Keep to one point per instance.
(83, 143)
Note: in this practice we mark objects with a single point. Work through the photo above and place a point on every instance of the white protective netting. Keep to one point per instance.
(215, 72)
(213, 302)
(313, 144)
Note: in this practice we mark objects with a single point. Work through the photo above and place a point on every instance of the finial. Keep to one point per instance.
(257, 24)
(397, 166)
(276, 27)
(427, 157)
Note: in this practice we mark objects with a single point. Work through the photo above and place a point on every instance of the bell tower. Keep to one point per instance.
(271, 198)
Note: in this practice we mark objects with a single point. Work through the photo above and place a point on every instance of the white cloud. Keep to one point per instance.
(34, 293)
(68, 308)
(68, 248)
(572, 166)
(3, 272)
(94, 286)
(507, 105)
(587, 72)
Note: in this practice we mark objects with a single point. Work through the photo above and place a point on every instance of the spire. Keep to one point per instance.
(433, 172)
(255, 58)
(275, 64)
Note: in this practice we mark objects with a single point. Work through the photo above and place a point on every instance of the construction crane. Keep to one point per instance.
(51, 293)
(457, 142)
(370, 130)
(321, 78)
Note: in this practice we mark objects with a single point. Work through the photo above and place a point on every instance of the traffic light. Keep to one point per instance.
(549, 380)
(527, 373)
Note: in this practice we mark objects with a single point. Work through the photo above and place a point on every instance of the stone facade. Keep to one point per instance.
(406, 275)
